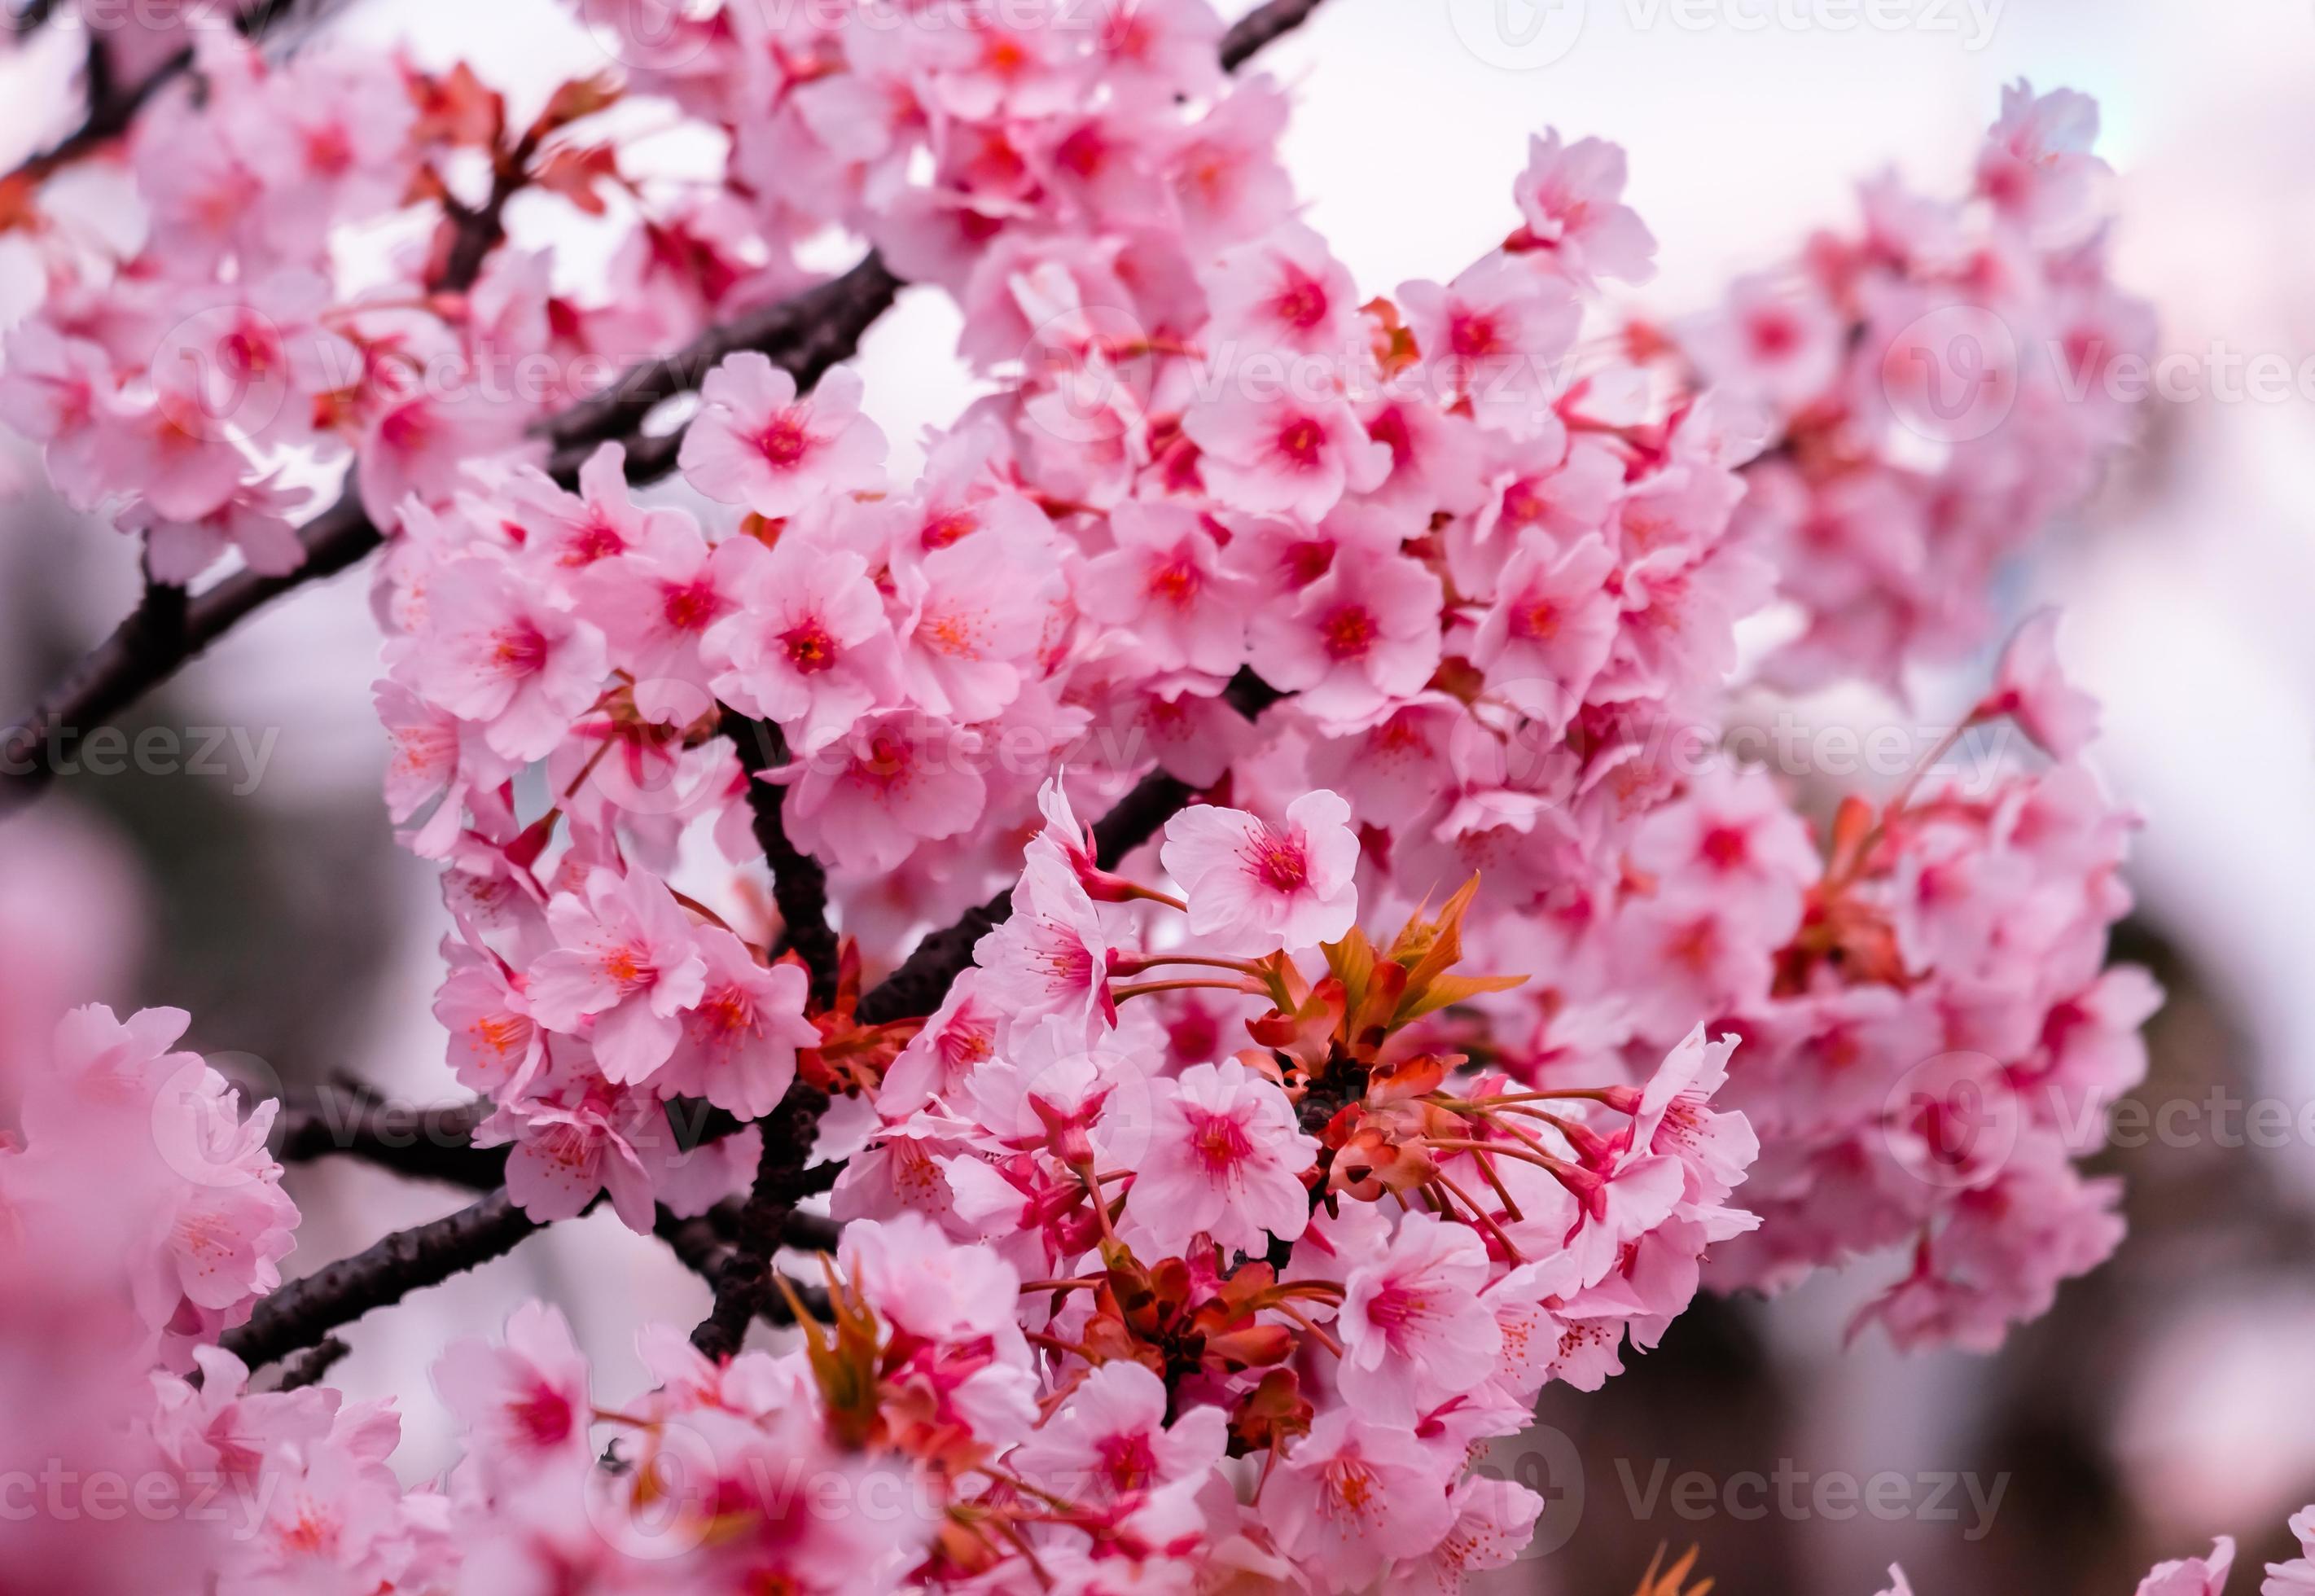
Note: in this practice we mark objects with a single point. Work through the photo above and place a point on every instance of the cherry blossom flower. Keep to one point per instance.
(1284, 453)
(739, 1042)
(807, 645)
(1359, 637)
(1051, 955)
(1290, 884)
(866, 799)
(1354, 1495)
(629, 961)
(1225, 1159)
(1493, 1520)
(1284, 290)
(2031, 688)
(2193, 1576)
(2298, 1575)
(1111, 1440)
(755, 443)
(524, 1403)
(1166, 581)
(1572, 197)
(1549, 630)
(1414, 1330)
(495, 652)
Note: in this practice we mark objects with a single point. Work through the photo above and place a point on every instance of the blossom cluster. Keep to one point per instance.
(1936, 384)
(1196, 1237)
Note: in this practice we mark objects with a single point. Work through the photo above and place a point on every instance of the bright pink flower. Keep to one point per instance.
(1494, 340)
(1248, 881)
(525, 1405)
(1414, 1329)
(629, 961)
(1549, 630)
(1359, 637)
(809, 647)
(493, 651)
(1051, 955)
(2031, 689)
(2036, 166)
(1227, 179)
(654, 604)
(495, 1046)
(1284, 290)
(972, 616)
(254, 519)
(1774, 340)
(1354, 1495)
(1166, 583)
(755, 443)
(866, 799)
(928, 1285)
(180, 461)
(2296, 1577)
(1572, 197)
(1675, 1117)
(2193, 1576)
(607, 1138)
(50, 390)
(1110, 1441)
(1495, 1519)
(418, 446)
(738, 1046)
(1732, 834)
(1288, 453)
(1225, 1158)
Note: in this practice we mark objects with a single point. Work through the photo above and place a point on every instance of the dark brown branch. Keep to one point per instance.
(312, 1366)
(304, 1311)
(799, 882)
(433, 1144)
(1262, 26)
(802, 324)
(743, 1285)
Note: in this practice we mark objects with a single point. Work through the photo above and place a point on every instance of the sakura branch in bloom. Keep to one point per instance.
(1204, 1189)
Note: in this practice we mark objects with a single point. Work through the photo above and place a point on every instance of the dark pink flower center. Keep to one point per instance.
(810, 649)
(785, 440)
(1349, 633)
(1280, 862)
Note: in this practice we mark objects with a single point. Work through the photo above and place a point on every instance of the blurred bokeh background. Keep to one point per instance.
(2164, 1401)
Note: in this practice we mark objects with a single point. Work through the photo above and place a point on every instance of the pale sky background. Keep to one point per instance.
(2187, 612)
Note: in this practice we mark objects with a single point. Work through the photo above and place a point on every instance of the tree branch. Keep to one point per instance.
(799, 882)
(432, 1144)
(1263, 25)
(304, 1311)
(743, 1285)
